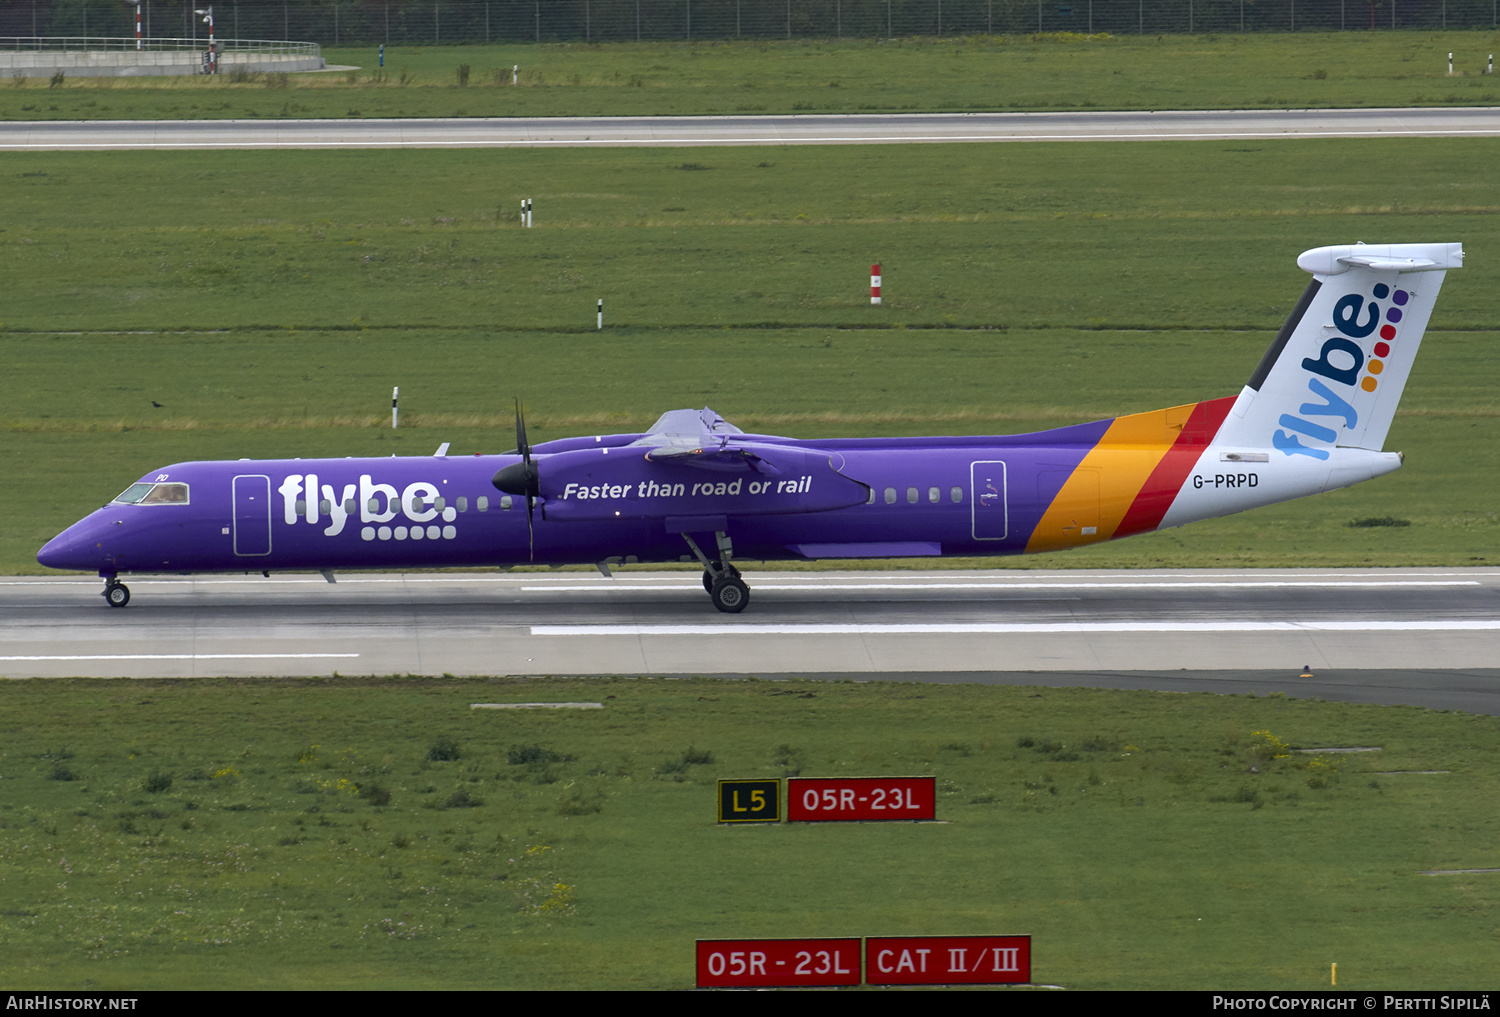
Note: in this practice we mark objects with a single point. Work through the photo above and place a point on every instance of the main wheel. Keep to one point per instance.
(730, 595)
(118, 594)
(708, 582)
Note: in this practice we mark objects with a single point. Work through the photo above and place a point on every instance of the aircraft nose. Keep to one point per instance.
(74, 548)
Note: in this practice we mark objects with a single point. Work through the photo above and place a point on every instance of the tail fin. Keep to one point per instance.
(1335, 373)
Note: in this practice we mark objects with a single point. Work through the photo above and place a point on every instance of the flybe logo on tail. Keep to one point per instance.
(1342, 361)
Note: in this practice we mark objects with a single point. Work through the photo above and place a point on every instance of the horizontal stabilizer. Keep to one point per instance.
(1381, 257)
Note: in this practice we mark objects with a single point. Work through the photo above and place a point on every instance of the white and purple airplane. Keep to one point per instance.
(1312, 418)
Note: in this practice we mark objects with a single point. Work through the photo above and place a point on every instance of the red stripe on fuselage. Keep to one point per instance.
(1145, 513)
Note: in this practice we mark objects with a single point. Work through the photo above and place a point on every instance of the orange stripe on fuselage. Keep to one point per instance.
(1120, 484)
(1166, 480)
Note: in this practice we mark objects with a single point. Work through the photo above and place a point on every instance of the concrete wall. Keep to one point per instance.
(147, 63)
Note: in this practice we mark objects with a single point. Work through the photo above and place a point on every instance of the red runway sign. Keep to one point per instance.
(821, 799)
(758, 963)
(948, 960)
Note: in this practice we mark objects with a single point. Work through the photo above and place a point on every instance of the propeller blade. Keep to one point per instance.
(530, 529)
(522, 478)
(521, 444)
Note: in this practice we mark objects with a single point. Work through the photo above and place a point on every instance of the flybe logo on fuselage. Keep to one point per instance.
(1342, 361)
(304, 499)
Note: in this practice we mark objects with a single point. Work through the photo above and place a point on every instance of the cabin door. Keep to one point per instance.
(987, 498)
(252, 515)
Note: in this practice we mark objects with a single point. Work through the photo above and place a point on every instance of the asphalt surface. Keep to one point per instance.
(607, 132)
(1428, 637)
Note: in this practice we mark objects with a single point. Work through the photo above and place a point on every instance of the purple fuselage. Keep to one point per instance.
(601, 500)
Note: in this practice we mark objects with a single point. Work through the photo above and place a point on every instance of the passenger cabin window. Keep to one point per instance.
(154, 494)
(890, 496)
(934, 495)
(463, 503)
(957, 494)
(911, 496)
(505, 502)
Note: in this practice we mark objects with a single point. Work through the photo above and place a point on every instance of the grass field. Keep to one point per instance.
(380, 834)
(957, 74)
(271, 300)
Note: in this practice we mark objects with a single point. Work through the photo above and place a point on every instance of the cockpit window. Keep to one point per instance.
(134, 493)
(154, 494)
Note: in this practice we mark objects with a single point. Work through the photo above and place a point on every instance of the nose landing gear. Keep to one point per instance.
(116, 593)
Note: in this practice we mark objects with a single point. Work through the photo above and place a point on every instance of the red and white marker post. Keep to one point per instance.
(875, 283)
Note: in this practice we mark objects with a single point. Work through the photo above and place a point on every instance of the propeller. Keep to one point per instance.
(522, 479)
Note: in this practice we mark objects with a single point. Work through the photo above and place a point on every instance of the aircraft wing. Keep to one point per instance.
(700, 439)
(662, 474)
(676, 425)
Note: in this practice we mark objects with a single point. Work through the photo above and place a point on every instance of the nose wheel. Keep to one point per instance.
(115, 593)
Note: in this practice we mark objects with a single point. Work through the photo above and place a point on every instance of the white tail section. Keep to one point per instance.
(1335, 373)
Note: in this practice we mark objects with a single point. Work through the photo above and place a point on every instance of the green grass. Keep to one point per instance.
(1170, 235)
(226, 834)
(271, 304)
(962, 74)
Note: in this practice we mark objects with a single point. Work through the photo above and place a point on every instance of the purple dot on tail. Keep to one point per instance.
(1402, 296)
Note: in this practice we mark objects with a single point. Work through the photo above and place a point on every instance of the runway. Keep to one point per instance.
(1364, 634)
(873, 129)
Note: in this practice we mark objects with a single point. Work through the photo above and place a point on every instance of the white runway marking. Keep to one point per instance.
(179, 656)
(1008, 628)
(979, 585)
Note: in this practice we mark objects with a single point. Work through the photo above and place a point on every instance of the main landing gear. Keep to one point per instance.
(115, 592)
(720, 578)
